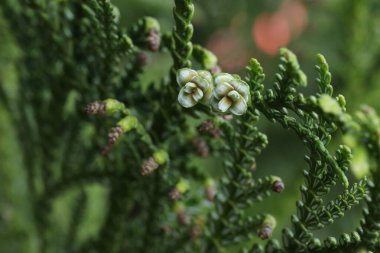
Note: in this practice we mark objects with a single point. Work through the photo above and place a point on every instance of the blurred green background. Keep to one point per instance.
(347, 32)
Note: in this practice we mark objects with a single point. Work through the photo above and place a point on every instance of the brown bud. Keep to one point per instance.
(183, 218)
(114, 134)
(175, 194)
(142, 59)
(201, 147)
(195, 232)
(265, 231)
(210, 193)
(106, 150)
(153, 40)
(209, 128)
(149, 166)
(278, 186)
(215, 133)
(205, 127)
(96, 108)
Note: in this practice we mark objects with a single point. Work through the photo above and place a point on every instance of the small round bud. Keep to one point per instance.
(114, 106)
(269, 223)
(161, 156)
(331, 243)
(278, 186)
(265, 231)
(126, 43)
(153, 40)
(206, 58)
(128, 123)
(180, 188)
(152, 31)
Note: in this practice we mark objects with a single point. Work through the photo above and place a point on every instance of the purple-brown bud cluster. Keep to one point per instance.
(210, 193)
(183, 218)
(114, 134)
(201, 147)
(96, 108)
(209, 128)
(175, 194)
(265, 231)
(149, 166)
(142, 59)
(153, 40)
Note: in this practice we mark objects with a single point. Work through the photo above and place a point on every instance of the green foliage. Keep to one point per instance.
(75, 74)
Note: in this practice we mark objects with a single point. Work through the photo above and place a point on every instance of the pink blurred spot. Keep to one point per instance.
(229, 47)
(270, 32)
(297, 16)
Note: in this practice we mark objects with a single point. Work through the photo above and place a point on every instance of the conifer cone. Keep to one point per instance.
(114, 134)
(96, 108)
(149, 166)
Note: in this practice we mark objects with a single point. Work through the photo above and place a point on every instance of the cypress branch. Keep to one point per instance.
(76, 53)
